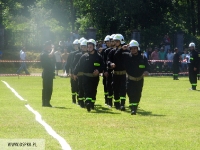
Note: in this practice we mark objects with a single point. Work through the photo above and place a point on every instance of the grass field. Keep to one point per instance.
(168, 117)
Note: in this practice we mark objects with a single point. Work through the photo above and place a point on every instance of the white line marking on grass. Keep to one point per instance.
(38, 117)
(16, 94)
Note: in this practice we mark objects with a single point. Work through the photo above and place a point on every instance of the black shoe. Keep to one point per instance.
(110, 102)
(92, 105)
(122, 108)
(133, 112)
(49, 105)
(82, 105)
(88, 107)
(117, 105)
(74, 99)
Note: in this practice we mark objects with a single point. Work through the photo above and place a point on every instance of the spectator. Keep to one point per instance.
(184, 61)
(58, 65)
(166, 42)
(64, 57)
(62, 45)
(23, 64)
(170, 56)
(155, 56)
(162, 56)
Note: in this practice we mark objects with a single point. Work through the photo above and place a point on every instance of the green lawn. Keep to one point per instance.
(168, 117)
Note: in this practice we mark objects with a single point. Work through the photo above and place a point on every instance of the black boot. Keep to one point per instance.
(110, 102)
(117, 105)
(92, 105)
(122, 107)
(134, 109)
(82, 105)
(74, 99)
(77, 97)
(193, 87)
(174, 77)
(88, 106)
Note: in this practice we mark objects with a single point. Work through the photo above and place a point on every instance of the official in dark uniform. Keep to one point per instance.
(91, 64)
(81, 98)
(193, 66)
(68, 68)
(47, 63)
(119, 73)
(176, 64)
(136, 67)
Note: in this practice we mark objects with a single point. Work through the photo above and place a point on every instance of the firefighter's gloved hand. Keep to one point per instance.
(146, 73)
(125, 47)
(112, 66)
(195, 69)
(96, 72)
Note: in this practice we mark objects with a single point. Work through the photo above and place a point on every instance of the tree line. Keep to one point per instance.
(153, 18)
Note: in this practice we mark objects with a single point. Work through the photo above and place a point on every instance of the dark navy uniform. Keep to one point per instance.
(109, 79)
(176, 65)
(81, 97)
(87, 64)
(135, 67)
(105, 78)
(194, 63)
(119, 76)
(198, 75)
(68, 68)
(48, 74)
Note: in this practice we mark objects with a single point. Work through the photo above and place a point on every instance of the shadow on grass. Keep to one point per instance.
(61, 107)
(143, 112)
(100, 109)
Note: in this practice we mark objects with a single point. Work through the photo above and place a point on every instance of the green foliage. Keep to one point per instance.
(154, 18)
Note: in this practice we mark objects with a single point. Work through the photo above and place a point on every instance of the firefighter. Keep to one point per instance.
(198, 75)
(47, 63)
(81, 98)
(91, 64)
(176, 63)
(105, 73)
(68, 68)
(193, 66)
(136, 67)
(119, 73)
(108, 72)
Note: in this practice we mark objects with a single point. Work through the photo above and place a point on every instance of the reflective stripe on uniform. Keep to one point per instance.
(93, 101)
(194, 84)
(106, 93)
(141, 66)
(110, 96)
(123, 98)
(74, 93)
(81, 98)
(117, 100)
(133, 104)
(89, 99)
(97, 64)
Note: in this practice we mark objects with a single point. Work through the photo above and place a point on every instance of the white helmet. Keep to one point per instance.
(119, 37)
(107, 38)
(134, 43)
(83, 43)
(93, 42)
(81, 39)
(76, 42)
(112, 36)
(192, 45)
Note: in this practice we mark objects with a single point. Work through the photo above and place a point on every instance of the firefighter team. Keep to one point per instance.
(122, 66)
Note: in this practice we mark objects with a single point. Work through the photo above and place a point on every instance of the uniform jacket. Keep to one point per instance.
(47, 64)
(135, 65)
(89, 62)
(194, 60)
